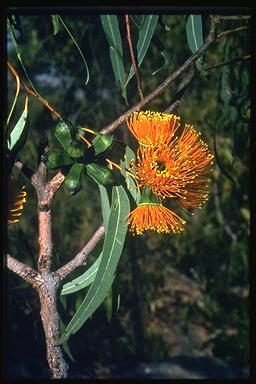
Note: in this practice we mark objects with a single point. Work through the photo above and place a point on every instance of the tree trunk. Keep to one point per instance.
(51, 324)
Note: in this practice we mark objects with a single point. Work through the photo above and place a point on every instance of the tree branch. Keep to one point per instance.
(26, 272)
(24, 169)
(31, 92)
(80, 258)
(184, 84)
(135, 67)
(235, 60)
(229, 31)
(169, 80)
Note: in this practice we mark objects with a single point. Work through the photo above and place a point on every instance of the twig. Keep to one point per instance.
(24, 169)
(169, 80)
(80, 258)
(16, 93)
(229, 31)
(235, 60)
(185, 83)
(33, 93)
(135, 67)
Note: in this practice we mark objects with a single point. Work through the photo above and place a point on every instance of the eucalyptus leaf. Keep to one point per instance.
(225, 90)
(167, 58)
(65, 345)
(145, 37)
(130, 156)
(112, 249)
(78, 48)
(83, 280)
(111, 29)
(55, 23)
(137, 20)
(195, 34)
(108, 304)
(105, 205)
(19, 134)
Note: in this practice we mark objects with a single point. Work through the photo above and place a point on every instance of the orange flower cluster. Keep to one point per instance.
(169, 165)
(16, 199)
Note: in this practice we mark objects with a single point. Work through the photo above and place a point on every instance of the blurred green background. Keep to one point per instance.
(173, 295)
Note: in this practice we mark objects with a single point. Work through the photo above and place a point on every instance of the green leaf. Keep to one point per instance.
(131, 185)
(65, 345)
(108, 304)
(225, 90)
(118, 69)
(78, 48)
(105, 205)
(18, 136)
(112, 249)
(145, 36)
(195, 34)
(111, 28)
(83, 280)
(88, 276)
(167, 59)
(138, 20)
(55, 23)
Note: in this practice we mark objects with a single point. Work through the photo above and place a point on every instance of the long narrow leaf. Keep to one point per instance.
(131, 185)
(15, 97)
(105, 205)
(65, 345)
(111, 29)
(194, 34)
(83, 280)
(55, 23)
(19, 134)
(78, 48)
(88, 276)
(15, 43)
(225, 90)
(118, 71)
(112, 249)
(145, 36)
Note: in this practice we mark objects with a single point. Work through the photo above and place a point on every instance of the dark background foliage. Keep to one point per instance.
(173, 295)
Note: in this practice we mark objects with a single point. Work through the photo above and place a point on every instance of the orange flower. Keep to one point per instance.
(177, 167)
(151, 215)
(152, 128)
(16, 199)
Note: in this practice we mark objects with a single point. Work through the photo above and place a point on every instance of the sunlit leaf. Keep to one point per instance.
(112, 249)
(145, 37)
(18, 136)
(111, 28)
